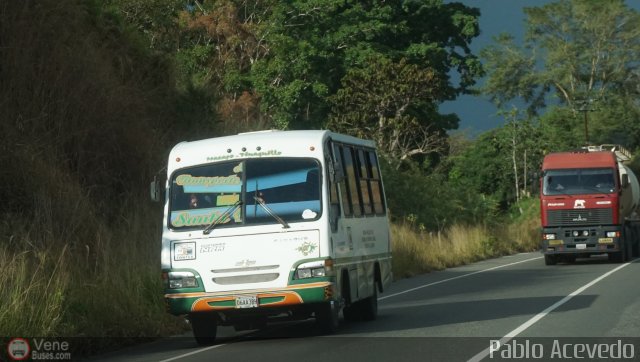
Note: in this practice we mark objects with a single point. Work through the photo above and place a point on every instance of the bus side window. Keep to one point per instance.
(376, 184)
(334, 199)
(352, 182)
(364, 176)
(344, 185)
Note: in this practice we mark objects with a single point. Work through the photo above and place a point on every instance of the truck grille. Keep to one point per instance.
(580, 217)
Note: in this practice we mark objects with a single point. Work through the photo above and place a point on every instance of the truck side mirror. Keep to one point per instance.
(154, 189)
(624, 181)
(536, 182)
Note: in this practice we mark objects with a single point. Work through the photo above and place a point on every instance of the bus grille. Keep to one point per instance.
(244, 279)
(580, 217)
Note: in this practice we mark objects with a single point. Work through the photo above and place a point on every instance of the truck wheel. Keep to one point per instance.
(328, 317)
(635, 243)
(205, 328)
(550, 260)
(628, 242)
(616, 257)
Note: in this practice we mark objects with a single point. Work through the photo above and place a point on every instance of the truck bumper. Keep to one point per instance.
(583, 240)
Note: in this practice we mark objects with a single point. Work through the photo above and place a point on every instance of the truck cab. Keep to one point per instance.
(586, 203)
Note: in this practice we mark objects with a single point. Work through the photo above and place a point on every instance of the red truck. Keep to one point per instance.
(588, 202)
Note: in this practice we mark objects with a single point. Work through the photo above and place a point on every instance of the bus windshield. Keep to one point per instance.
(248, 192)
(579, 181)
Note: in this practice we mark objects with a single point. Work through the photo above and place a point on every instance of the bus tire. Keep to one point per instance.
(328, 317)
(369, 306)
(205, 328)
(351, 313)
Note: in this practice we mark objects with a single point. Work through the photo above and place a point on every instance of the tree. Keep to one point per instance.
(576, 51)
(287, 60)
(315, 44)
(393, 103)
(155, 19)
(221, 45)
(502, 162)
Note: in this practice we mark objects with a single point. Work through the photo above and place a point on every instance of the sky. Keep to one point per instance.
(477, 114)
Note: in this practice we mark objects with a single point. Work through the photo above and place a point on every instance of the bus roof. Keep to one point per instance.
(569, 160)
(271, 143)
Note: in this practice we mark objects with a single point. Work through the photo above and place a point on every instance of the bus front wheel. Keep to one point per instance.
(205, 328)
(327, 317)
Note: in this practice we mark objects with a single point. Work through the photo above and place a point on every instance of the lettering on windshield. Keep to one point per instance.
(186, 218)
(244, 154)
(207, 181)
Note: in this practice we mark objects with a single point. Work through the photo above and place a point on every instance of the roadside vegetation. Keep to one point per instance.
(417, 250)
(93, 94)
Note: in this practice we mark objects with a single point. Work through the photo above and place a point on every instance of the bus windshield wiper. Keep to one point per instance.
(222, 216)
(270, 212)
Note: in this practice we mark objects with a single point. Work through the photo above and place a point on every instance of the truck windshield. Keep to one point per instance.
(579, 181)
(263, 191)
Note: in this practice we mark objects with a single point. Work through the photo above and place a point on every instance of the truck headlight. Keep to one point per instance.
(549, 236)
(613, 234)
(182, 279)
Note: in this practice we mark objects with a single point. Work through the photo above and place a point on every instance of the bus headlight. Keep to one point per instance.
(182, 279)
(613, 234)
(313, 269)
(549, 236)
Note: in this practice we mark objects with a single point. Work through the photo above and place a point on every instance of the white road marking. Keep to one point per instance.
(192, 353)
(458, 277)
(480, 356)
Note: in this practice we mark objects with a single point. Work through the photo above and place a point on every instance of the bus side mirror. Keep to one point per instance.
(154, 189)
(624, 181)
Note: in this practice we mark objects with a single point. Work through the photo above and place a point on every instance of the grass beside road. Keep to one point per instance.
(100, 281)
(416, 251)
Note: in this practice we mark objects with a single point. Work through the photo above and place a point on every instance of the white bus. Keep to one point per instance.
(274, 225)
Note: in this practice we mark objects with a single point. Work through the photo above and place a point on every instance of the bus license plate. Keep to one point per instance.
(247, 301)
(581, 246)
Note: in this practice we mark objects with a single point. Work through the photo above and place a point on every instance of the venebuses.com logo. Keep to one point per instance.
(20, 349)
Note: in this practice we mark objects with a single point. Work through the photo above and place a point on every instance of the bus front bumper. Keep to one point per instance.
(289, 297)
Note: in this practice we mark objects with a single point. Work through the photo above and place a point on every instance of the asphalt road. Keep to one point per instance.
(510, 308)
